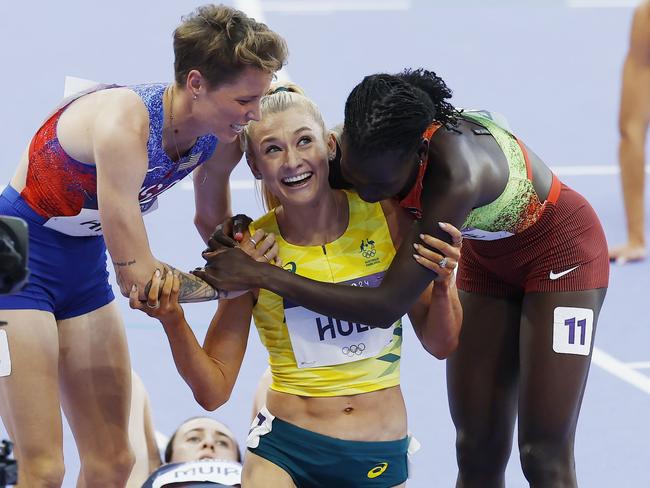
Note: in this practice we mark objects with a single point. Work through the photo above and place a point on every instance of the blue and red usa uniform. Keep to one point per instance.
(67, 253)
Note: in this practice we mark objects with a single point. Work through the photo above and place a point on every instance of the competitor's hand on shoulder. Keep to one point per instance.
(162, 300)
(440, 256)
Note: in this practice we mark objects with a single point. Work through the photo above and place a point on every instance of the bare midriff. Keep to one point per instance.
(375, 416)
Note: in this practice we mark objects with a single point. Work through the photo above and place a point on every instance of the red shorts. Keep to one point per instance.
(565, 250)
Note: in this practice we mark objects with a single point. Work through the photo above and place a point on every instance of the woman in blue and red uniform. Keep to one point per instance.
(532, 278)
(95, 165)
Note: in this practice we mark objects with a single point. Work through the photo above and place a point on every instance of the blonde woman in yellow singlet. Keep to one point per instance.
(325, 422)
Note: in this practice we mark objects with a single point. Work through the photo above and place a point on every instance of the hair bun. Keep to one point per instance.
(280, 89)
(285, 87)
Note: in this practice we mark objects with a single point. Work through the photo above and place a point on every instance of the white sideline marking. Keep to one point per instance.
(590, 170)
(621, 370)
(298, 6)
(188, 184)
(602, 3)
(639, 365)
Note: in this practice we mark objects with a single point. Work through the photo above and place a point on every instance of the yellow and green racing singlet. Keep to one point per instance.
(311, 354)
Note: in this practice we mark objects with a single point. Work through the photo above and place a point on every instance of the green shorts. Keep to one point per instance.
(318, 461)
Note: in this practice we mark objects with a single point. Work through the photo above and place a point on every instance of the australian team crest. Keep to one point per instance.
(368, 251)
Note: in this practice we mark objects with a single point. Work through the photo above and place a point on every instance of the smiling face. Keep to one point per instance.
(226, 109)
(203, 438)
(289, 150)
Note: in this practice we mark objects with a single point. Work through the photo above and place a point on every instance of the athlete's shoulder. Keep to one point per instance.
(268, 222)
(120, 110)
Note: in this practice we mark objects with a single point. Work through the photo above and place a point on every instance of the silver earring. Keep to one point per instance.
(195, 96)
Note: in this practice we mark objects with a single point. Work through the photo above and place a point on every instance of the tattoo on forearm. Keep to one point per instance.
(193, 289)
(120, 268)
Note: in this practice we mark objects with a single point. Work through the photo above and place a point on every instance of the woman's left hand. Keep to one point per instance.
(162, 300)
(440, 256)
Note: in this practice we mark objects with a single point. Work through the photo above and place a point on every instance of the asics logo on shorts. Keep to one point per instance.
(354, 349)
(555, 276)
(377, 470)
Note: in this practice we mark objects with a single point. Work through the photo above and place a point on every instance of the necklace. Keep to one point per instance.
(171, 122)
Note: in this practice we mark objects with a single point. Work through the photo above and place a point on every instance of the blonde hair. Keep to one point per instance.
(221, 42)
(280, 98)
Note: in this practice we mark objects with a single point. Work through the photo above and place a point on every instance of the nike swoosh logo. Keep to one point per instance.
(555, 276)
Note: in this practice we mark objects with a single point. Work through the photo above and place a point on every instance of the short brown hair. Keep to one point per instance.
(221, 42)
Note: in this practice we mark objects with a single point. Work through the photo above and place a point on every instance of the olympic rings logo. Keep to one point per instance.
(369, 253)
(354, 349)
(367, 248)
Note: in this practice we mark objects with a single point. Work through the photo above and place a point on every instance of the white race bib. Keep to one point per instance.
(573, 330)
(318, 340)
(85, 224)
(227, 473)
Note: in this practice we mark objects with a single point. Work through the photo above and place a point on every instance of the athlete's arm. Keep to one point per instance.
(634, 116)
(449, 197)
(120, 152)
(212, 188)
(437, 315)
(210, 371)
(119, 143)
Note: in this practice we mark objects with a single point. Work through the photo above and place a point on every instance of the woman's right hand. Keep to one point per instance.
(162, 300)
(438, 255)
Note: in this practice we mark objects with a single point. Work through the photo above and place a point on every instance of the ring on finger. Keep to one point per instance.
(266, 257)
(153, 307)
(253, 241)
(443, 262)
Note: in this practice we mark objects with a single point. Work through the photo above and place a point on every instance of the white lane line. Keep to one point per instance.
(299, 6)
(639, 365)
(621, 370)
(602, 3)
(246, 184)
(590, 170)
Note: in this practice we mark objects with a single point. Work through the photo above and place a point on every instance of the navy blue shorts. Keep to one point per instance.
(314, 460)
(68, 275)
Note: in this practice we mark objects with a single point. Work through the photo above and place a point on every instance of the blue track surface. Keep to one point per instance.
(553, 71)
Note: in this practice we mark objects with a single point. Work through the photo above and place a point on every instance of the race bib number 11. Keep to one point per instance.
(573, 330)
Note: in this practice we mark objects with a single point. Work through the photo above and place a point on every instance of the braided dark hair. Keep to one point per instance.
(390, 112)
